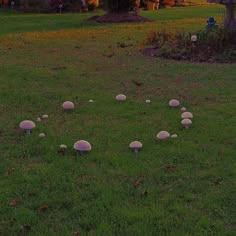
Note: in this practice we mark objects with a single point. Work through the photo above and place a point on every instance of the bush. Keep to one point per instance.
(216, 44)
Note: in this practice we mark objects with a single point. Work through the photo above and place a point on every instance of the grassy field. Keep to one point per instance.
(183, 186)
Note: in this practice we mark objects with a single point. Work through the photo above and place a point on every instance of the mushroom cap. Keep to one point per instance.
(38, 119)
(82, 146)
(163, 135)
(42, 135)
(186, 122)
(187, 115)
(183, 109)
(136, 145)
(120, 97)
(27, 124)
(148, 101)
(45, 116)
(174, 103)
(63, 146)
(174, 136)
(194, 38)
(91, 101)
(68, 105)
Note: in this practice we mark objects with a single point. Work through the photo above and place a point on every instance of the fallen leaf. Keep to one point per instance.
(76, 234)
(138, 183)
(14, 202)
(10, 171)
(43, 208)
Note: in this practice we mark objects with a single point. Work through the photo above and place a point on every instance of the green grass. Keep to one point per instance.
(110, 191)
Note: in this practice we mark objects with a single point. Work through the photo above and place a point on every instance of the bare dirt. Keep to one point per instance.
(119, 18)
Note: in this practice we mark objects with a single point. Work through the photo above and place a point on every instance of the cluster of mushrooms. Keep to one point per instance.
(83, 146)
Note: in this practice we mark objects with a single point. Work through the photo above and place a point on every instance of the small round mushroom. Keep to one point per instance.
(27, 125)
(163, 135)
(174, 103)
(82, 146)
(174, 136)
(91, 101)
(186, 123)
(45, 116)
(194, 38)
(63, 147)
(187, 115)
(38, 119)
(136, 146)
(68, 106)
(183, 109)
(148, 101)
(120, 97)
(42, 135)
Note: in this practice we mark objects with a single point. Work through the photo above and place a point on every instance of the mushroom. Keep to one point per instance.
(174, 136)
(148, 101)
(135, 146)
(68, 106)
(183, 109)
(174, 103)
(27, 125)
(186, 123)
(187, 115)
(163, 135)
(63, 147)
(82, 146)
(45, 116)
(121, 97)
(91, 101)
(194, 38)
(42, 135)
(38, 119)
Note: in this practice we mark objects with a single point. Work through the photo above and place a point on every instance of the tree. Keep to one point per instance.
(229, 19)
(119, 5)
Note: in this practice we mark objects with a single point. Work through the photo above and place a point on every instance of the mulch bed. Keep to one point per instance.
(119, 18)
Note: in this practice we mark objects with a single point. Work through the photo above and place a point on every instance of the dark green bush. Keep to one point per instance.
(216, 44)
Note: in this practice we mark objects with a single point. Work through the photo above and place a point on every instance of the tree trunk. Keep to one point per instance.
(229, 21)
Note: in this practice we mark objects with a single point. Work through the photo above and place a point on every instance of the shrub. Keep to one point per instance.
(215, 44)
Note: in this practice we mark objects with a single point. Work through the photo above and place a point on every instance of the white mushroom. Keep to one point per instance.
(91, 101)
(174, 136)
(174, 103)
(27, 125)
(68, 106)
(38, 119)
(194, 38)
(183, 109)
(148, 101)
(186, 123)
(121, 97)
(163, 135)
(42, 135)
(136, 146)
(63, 147)
(82, 146)
(187, 115)
(45, 116)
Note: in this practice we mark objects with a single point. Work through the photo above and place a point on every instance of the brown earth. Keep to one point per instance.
(119, 18)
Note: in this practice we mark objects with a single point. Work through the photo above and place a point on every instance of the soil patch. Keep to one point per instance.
(119, 18)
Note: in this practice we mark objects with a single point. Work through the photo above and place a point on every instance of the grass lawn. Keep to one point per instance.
(183, 186)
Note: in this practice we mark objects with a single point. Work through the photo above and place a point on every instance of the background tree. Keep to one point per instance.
(229, 19)
(119, 5)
